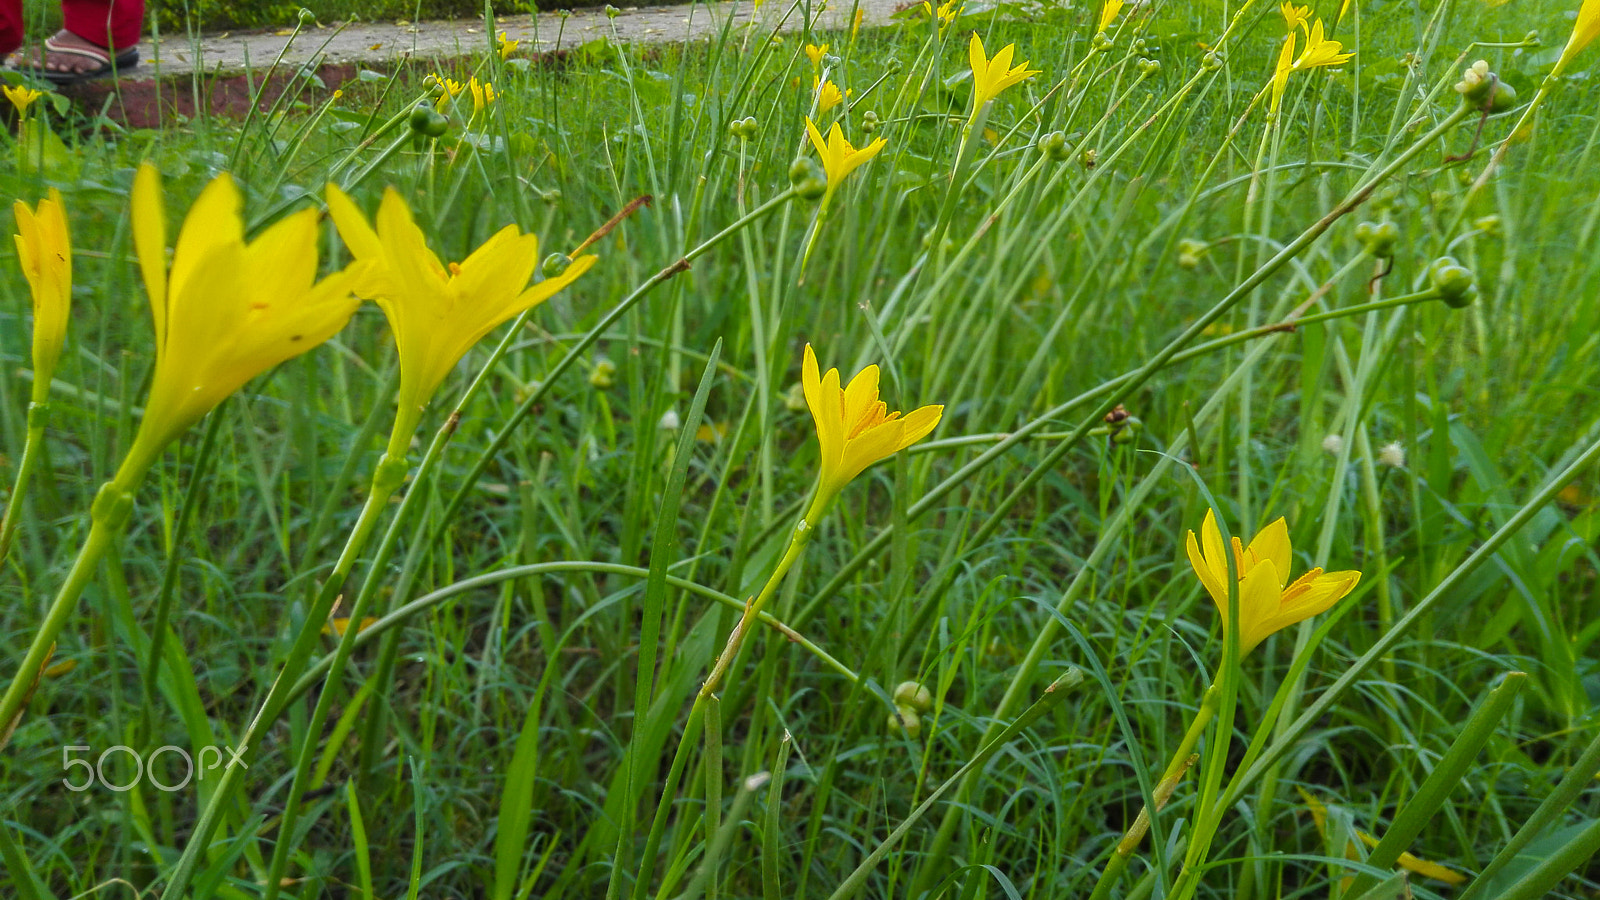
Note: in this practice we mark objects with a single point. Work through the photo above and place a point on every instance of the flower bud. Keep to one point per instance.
(612, 12)
(555, 265)
(914, 695)
(1054, 146)
(869, 122)
(307, 17)
(1378, 238)
(1482, 89)
(1453, 281)
(427, 121)
(804, 168)
(603, 375)
(904, 720)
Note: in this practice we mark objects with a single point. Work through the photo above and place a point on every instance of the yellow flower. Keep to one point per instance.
(21, 97)
(948, 11)
(991, 76)
(839, 158)
(854, 427)
(438, 312)
(828, 95)
(507, 47)
(1265, 603)
(1320, 52)
(450, 85)
(855, 22)
(1108, 12)
(227, 310)
(1280, 74)
(45, 251)
(1294, 16)
(815, 53)
(482, 94)
(1584, 31)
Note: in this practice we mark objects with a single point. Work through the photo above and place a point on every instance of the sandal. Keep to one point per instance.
(106, 64)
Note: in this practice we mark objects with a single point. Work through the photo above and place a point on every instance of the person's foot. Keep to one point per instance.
(64, 63)
(68, 58)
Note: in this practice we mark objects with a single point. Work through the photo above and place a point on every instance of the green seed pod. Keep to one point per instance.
(1502, 97)
(1101, 42)
(904, 720)
(733, 128)
(1054, 146)
(914, 695)
(555, 264)
(603, 374)
(1453, 281)
(1149, 66)
(747, 127)
(307, 17)
(1214, 60)
(427, 121)
(1189, 253)
(803, 168)
(612, 12)
(812, 188)
(1378, 238)
(869, 122)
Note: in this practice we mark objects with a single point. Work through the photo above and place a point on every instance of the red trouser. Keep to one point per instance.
(114, 24)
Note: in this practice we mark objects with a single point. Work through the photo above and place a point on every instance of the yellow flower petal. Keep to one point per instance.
(44, 248)
(1584, 31)
(1272, 542)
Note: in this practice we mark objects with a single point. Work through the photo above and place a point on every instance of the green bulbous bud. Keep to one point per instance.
(1189, 253)
(1454, 282)
(1138, 47)
(807, 177)
(1482, 89)
(1379, 238)
(1489, 225)
(306, 17)
(554, 265)
(870, 122)
(603, 375)
(904, 720)
(733, 128)
(747, 127)
(427, 121)
(914, 695)
(1054, 146)
(612, 12)
(1213, 60)
(1101, 42)
(1149, 66)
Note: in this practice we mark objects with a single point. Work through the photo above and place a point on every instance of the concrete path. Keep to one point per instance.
(382, 44)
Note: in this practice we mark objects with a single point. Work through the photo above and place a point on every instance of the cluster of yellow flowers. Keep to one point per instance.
(227, 309)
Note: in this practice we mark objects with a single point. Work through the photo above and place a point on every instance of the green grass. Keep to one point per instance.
(515, 704)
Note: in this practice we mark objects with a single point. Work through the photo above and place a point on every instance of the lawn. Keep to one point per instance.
(308, 596)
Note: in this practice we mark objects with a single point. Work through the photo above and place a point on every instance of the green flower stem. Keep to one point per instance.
(110, 513)
(32, 446)
(390, 475)
(797, 545)
(384, 483)
(798, 539)
(1182, 759)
